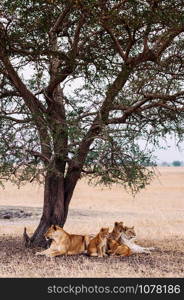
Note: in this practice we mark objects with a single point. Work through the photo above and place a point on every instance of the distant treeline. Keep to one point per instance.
(175, 163)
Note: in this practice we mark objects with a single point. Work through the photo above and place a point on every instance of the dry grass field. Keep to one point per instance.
(157, 213)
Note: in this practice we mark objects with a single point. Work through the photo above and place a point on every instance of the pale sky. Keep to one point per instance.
(171, 153)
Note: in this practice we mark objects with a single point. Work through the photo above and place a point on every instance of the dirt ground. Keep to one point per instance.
(156, 212)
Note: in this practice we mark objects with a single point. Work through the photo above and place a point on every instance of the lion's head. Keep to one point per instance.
(53, 232)
(129, 232)
(104, 232)
(118, 227)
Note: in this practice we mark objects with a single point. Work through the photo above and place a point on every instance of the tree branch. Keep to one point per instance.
(77, 35)
(100, 120)
(38, 154)
(116, 42)
(57, 26)
(151, 96)
(34, 105)
(18, 121)
(165, 39)
(140, 108)
(5, 94)
(31, 101)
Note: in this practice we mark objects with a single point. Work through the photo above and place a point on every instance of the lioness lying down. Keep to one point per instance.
(64, 243)
(128, 238)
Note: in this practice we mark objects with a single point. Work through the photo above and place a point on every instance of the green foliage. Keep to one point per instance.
(110, 74)
(177, 163)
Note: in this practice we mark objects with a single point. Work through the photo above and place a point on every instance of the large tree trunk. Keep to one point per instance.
(55, 209)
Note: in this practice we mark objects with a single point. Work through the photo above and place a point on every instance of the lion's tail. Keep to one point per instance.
(26, 238)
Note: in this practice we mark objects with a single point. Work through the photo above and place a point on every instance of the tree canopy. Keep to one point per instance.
(82, 81)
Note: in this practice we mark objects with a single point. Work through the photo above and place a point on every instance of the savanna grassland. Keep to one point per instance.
(156, 212)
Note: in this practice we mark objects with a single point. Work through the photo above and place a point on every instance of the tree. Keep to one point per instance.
(102, 74)
(177, 163)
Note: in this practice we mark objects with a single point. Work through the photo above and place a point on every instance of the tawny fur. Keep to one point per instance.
(117, 230)
(115, 248)
(64, 242)
(128, 238)
(97, 245)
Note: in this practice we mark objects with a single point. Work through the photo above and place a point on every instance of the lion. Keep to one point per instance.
(114, 235)
(115, 248)
(128, 238)
(64, 242)
(128, 232)
(97, 245)
(117, 230)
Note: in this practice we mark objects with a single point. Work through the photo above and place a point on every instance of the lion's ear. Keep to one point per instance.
(58, 227)
(116, 223)
(54, 227)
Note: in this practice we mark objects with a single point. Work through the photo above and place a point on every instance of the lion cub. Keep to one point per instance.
(64, 243)
(113, 245)
(117, 231)
(97, 245)
(118, 249)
